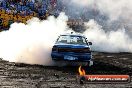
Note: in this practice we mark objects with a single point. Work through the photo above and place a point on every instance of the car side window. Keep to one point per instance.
(62, 39)
(73, 40)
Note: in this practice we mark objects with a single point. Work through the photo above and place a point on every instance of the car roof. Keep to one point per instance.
(72, 35)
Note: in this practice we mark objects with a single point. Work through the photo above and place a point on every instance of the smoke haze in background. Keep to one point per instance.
(110, 14)
(114, 9)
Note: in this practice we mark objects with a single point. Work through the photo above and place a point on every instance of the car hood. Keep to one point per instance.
(62, 45)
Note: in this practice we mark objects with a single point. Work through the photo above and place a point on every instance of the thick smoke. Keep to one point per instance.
(110, 14)
(114, 9)
(32, 43)
(113, 41)
(110, 29)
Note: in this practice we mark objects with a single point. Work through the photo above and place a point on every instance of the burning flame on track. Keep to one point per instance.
(81, 71)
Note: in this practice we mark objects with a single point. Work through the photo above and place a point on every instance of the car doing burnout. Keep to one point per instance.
(72, 47)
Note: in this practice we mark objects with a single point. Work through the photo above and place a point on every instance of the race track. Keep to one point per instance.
(18, 75)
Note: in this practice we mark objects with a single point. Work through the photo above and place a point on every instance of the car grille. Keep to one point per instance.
(76, 50)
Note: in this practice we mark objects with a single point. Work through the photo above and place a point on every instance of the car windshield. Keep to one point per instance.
(71, 39)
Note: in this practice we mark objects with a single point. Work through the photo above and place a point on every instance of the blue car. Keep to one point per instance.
(72, 48)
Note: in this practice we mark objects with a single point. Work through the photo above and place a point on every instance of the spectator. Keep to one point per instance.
(0, 3)
(8, 10)
(19, 7)
(53, 3)
(15, 12)
(10, 22)
(4, 4)
(22, 10)
(31, 4)
(1, 24)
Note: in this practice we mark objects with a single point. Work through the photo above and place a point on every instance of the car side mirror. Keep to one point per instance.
(90, 43)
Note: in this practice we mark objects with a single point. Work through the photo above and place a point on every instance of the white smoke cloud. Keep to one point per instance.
(32, 43)
(113, 41)
(83, 2)
(114, 9)
(113, 15)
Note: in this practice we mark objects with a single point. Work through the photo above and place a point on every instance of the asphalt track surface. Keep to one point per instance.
(19, 75)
